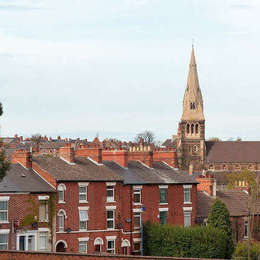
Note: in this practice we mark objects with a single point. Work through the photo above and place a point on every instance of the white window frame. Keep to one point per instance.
(138, 214)
(137, 241)
(44, 199)
(187, 191)
(61, 214)
(111, 186)
(110, 219)
(84, 241)
(187, 212)
(84, 219)
(46, 235)
(137, 190)
(5, 232)
(61, 188)
(163, 187)
(5, 199)
(111, 239)
(85, 185)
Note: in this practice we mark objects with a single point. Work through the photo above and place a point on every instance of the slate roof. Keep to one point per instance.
(83, 170)
(235, 200)
(19, 179)
(161, 173)
(230, 151)
(170, 143)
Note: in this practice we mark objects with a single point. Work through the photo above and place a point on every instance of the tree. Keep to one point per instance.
(4, 164)
(219, 218)
(214, 139)
(147, 136)
(252, 182)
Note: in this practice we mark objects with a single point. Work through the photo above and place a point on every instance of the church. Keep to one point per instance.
(194, 151)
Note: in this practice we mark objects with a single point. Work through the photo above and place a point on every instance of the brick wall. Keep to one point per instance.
(20, 208)
(9, 255)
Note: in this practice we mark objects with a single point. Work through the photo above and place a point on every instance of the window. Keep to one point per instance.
(111, 246)
(110, 193)
(4, 211)
(83, 218)
(196, 128)
(137, 195)
(43, 211)
(163, 217)
(3, 241)
(245, 228)
(187, 195)
(188, 128)
(61, 193)
(187, 218)
(83, 246)
(61, 217)
(110, 219)
(137, 220)
(194, 148)
(163, 195)
(192, 128)
(43, 241)
(83, 192)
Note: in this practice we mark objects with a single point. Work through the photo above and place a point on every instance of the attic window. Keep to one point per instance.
(211, 167)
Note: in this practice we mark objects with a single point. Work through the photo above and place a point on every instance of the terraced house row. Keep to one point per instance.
(90, 200)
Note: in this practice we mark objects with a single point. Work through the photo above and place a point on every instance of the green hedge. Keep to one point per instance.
(196, 242)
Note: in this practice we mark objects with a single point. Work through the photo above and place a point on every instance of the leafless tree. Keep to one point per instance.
(147, 136)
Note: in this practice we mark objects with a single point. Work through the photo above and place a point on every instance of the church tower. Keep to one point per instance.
(191, 131)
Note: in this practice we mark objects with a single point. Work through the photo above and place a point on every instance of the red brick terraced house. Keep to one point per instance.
(25, 222)
(104, 197)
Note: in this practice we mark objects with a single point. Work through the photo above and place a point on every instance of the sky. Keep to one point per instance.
(115, 68)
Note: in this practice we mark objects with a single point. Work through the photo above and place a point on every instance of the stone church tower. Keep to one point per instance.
(191, 131)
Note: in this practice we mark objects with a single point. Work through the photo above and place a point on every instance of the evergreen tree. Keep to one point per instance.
(219, 218)
(4, 164)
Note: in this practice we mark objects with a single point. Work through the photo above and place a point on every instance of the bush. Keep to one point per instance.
(219, 218)
(242, 253)
(196, 242)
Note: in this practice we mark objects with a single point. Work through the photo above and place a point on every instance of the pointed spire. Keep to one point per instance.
(192, 101)
(192, 57)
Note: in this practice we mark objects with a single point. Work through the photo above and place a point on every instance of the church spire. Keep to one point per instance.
(192, 101)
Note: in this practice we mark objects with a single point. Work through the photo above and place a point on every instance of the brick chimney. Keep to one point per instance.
(23, 157)
(67, 153)
(119, 156)
(143, 156)
(94, 153)
(207, 183)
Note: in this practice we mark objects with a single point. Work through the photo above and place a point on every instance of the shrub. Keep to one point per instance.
(196, 242)
(242, 253)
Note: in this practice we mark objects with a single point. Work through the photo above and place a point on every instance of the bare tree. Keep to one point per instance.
(147, 136)
(214, 139)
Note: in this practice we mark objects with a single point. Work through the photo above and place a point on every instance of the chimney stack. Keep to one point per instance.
(67, 153)
(23, 157)
(94, 153)
(119, 156)
(207, 183)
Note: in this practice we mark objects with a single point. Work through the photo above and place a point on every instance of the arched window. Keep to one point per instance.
(61, 192)
(192, 105)
(197, 129)
(61, 246)
(188, 128)
(192, 128)
(61, 218)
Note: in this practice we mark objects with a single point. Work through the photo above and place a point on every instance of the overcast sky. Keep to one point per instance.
(75, 68)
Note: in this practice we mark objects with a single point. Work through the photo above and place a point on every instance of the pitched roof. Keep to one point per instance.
(230, 151)
(138, 173)
(83, 169)
(235, 200)
(19, 179)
